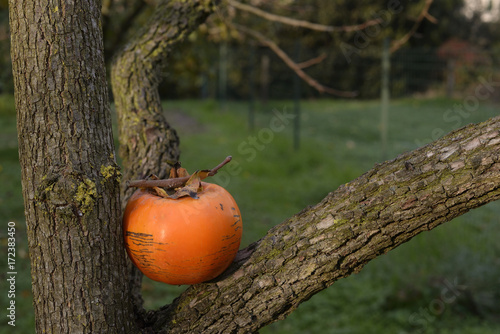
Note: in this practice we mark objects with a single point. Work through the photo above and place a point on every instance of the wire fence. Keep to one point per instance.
(412, 71)
(258, 74)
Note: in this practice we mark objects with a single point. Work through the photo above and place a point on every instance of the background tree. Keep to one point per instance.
(71, 190)
(196, 65)
(320, 29)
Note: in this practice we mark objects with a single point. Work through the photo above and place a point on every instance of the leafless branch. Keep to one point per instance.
(424, 14)
(301, 23)
(290, 63)
(313, 61)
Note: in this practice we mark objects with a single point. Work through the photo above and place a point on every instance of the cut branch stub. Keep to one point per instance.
(180, 183)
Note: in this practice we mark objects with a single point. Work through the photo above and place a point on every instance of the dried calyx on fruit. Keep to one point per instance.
(180, 183)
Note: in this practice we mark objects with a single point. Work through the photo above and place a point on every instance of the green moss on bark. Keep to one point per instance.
(86, 195)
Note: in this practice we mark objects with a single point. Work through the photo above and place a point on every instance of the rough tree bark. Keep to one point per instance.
(367, 217)
(148, 145)
(361, 220)
(71, 189)
(69, 175)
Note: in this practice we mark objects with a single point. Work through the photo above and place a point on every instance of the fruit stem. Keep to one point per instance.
(178, 181)
(214, 170)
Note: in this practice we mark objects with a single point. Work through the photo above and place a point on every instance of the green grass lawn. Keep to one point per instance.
(443, 281)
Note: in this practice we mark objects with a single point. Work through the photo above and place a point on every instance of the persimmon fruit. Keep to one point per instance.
(184, 240)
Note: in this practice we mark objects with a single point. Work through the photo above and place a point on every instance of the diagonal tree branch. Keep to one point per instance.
(361, 220)
(148, 145)
(301, 23)
(367, 217)
(424, 14)
(133, 10)
(297, 68)
(290, 63)
(312, 61)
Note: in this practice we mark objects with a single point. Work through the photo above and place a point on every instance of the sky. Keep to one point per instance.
(490, 8)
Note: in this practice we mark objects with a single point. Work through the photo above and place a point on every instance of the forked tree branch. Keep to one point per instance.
(291, 64)
(301, 23)
(297, 68)
(361, 220)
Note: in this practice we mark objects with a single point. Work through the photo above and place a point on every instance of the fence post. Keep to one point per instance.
(223, 73)
(204, 86)
(264, 78)
(251, 99)
(384, 96)
(296, 98)
(450, 80)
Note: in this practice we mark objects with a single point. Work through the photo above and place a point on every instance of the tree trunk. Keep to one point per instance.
(148, 145)
(147, 142)
(69, 175)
